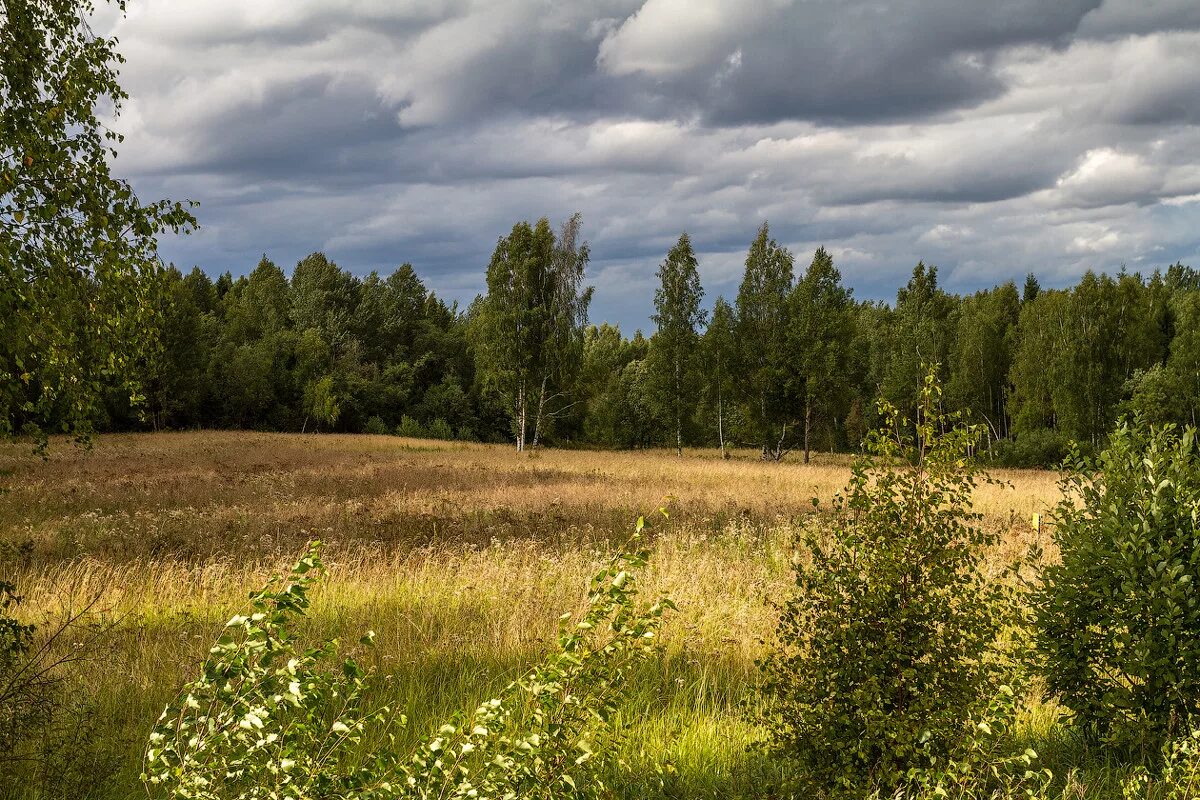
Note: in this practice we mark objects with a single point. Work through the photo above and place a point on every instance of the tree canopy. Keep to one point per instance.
(78, 249)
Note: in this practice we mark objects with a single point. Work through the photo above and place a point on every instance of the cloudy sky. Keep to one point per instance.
(989, 137)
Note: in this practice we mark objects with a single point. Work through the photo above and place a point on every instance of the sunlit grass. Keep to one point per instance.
(461, 558)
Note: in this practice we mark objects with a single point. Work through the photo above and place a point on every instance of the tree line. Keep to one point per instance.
(792, 363)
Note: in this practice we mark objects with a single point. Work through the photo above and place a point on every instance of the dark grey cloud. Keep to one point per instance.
(991, 138)
(333, 125)
(837, 61)
(1118, 18)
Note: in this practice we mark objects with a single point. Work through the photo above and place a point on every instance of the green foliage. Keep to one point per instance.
(266, 718)
(1176, 778)
(675, 345)
(1154, 396)
(77, 247)
(988, 766)
(322, 402)
(920, 332)
(894, 634)
(324, 349)
(1119, 618)
(1075, 350)
(270, 719)
(440, 429)
(627, 414)
(528, 329)
(820, 333)
(324, 298)
(376, 426)
(411, 428)
(981, 357)
(761, 330)
(175, 378)
(1036, 447)
(1184, 359)
(719, 348)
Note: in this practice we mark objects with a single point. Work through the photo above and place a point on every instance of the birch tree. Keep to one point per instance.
(528, 329)
(678, 315)
(761, 331)
(820, 331)
(78, 249)
(720, 356)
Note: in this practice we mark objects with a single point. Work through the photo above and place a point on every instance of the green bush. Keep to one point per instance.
(988, 765)
(1177, 777)
(1119, 618)
(440, 429)
(411, 428)
(376, 426)
(1033, 448)
(51, 742)
(269, 719)
(893, 636)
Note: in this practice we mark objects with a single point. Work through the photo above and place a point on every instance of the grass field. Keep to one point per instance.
(461, 557)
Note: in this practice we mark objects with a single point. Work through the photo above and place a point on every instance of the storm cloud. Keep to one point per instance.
(990, 138)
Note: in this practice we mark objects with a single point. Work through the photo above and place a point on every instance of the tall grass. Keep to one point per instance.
(460, 557)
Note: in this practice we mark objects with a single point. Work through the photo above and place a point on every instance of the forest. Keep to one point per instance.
(793, 363)
(605, 617)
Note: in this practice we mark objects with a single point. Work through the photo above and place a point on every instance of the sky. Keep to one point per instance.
(988, 137)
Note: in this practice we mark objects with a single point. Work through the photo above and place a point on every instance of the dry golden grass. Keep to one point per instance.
(461, 557)
(204, 494)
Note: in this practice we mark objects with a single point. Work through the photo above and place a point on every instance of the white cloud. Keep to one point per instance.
(671, 37)
(987, 139)
(1105, 176)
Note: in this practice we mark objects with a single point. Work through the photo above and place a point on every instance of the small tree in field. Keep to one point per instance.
(1119, 618)
(893, 637)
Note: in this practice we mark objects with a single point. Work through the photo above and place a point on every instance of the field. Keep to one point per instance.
(461, 557)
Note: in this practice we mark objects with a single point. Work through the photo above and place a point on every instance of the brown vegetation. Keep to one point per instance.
(460, 557)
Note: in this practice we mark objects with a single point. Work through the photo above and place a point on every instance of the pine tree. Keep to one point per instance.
(1032, 289)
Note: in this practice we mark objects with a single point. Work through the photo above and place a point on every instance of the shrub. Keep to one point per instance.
(375, 425)
(1178, 777)
(440, 429)
(1034, 448)
(267, 719)
(893, 635)
(1118, 620)
(988, 766)
(19, 708)
(51, 741)
(411, 428)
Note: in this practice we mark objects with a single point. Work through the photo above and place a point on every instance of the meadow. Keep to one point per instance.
(461, 557)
